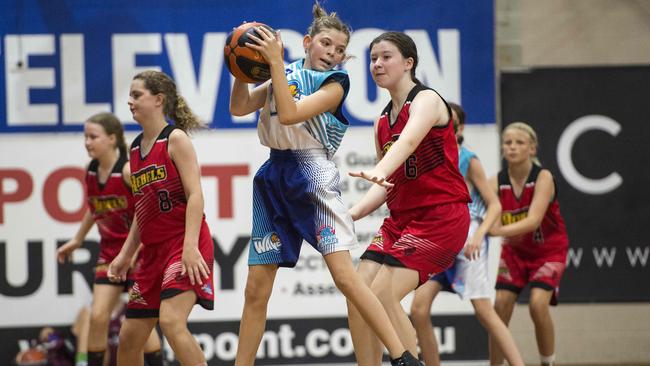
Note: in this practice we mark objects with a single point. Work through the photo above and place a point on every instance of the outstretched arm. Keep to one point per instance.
(376, 195)
(427, 110)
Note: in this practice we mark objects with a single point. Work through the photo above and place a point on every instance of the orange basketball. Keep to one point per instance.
(31, 357)
(245, 63)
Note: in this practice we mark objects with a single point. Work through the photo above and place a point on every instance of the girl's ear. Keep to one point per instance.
(533, 149)
(113, 139)
(160, 99)
(409, 64)
(306, 42)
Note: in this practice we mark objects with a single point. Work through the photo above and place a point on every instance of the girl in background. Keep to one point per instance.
(111, 206)
(535, 242)
(468, 276)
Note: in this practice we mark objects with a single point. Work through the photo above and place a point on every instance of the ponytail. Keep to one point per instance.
(174, 106)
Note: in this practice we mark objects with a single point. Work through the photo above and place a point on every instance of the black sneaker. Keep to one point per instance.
(406, 359)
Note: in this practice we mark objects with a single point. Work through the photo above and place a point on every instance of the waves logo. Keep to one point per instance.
(294, 89)
(268, 243)
(326, 236)
(147, 175)
(105, 204)
(207, 289)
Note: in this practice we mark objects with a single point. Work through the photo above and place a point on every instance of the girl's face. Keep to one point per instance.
(517, 146)
(326, 49)
(387, 65)
(141, 102)
(97, 142)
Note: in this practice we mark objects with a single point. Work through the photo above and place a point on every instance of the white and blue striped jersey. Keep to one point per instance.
(477, 207)
(324, 131)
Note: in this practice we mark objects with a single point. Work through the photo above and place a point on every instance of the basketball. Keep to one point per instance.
(31, 357)
(243, 62)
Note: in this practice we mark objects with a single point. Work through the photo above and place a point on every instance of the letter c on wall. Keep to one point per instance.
(565, 146)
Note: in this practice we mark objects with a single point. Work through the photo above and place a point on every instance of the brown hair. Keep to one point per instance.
(112, 126)
(323, 20)
(174, 106)
(405, 46)
(460, 120)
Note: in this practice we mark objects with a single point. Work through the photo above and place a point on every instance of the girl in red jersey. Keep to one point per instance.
(175, 269)
(468, 276)
(418, 178)
(111, 206)
(535, 241)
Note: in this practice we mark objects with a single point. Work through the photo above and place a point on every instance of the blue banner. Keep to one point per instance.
(64, 60)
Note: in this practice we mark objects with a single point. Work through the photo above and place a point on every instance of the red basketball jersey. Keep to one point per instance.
(112, 206)
(160, 200)
(550, 238)
(430, 176)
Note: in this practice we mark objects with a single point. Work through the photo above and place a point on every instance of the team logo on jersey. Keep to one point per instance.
(508, 218)
(135, 295)
(326, 236)
(378, 241)
(146, 176)
(295, 90)
(504, 271)
(101, 267)
(388, 145)
(271, 242)
(207, 288)
(105, 204)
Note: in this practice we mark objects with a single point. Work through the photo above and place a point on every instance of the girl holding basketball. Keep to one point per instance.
(111, 206)
(175, 269)
(417, 177)
(468, 276)
(296, 192)
(535, 243)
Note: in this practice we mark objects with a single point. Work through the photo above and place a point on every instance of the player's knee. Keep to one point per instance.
(99, 319)
(172, 326)
(538, 310)
(383, 293)
(420, 312)
(128, 340)
(257, 294)
(345, 284)
(485, 315)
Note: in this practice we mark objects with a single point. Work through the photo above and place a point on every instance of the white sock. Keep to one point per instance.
(547, 360)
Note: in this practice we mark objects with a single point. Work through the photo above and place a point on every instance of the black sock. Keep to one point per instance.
(96, 358)
(153, 358)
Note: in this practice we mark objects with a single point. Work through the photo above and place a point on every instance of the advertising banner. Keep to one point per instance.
(63, 61)
(593, 130)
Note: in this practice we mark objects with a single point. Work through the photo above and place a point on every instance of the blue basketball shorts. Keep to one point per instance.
(296, 197)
